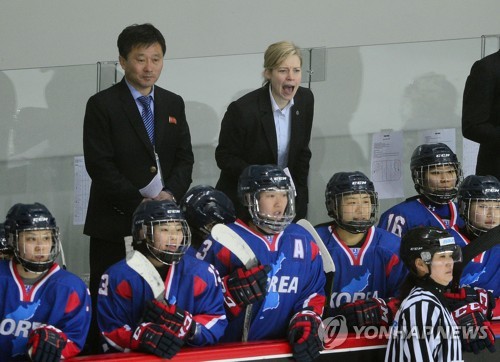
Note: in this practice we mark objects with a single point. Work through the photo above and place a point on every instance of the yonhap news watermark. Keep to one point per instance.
(334, 332)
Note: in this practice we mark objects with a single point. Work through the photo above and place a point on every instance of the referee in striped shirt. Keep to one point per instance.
(423, 329)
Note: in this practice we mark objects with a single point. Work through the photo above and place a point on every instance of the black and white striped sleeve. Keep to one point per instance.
(423, 330)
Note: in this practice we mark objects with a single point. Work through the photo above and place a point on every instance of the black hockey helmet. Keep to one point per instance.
(474, 189)
(204, 206)
(342, 184)
(429, 157)
(161, 213)
(260, 178)
(5, 249)
(31, 217)
(423, 242)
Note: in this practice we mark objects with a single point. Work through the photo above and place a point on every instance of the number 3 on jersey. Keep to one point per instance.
(103, 289)
(395, 224)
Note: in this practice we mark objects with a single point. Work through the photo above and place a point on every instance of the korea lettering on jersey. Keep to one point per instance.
(482, 271)
(374, 270)
(415, 212)
(296, 280)
(59, 299)
(193, 285)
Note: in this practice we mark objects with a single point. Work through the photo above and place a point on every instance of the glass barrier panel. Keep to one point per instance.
(358, 91)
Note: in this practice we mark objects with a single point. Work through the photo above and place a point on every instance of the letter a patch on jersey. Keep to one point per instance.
(298, 250)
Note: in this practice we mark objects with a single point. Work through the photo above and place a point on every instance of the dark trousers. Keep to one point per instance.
(102, 254)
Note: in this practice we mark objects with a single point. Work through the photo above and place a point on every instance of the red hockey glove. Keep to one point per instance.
(243, 287)
(177, 320)
(303, 335)
(468, 295)
(369, 312)
(46, 343)
(156, 339)
(475, 331)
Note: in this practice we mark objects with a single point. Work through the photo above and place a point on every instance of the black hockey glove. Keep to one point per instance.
(177, 320)
(46, 343)
(303, 335)
(468, 295)
(243, 287)
(475, 331)
(156, 339)
(369, 312)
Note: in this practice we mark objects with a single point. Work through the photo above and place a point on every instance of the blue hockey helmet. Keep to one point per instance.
(479, 203)
(342, 185)
(256, 179)
(22, 219)
(160, 228)
(435, 157)
(5, 249)
(204, 206)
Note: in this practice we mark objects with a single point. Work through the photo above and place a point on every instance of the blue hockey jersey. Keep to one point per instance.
(59, 299)
(193, 285)
(415, 211)
(296, 280)
(374, 270)
(484, 270)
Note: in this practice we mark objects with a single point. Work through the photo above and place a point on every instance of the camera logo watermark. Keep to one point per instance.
(333, 332)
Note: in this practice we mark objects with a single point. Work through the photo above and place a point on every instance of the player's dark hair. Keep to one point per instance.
(139, 35)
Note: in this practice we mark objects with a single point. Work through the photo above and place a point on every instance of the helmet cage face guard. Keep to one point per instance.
(420, 176)
(335, 210)
(483, 208)
(34, 266)
(176, 245)
(270, 222)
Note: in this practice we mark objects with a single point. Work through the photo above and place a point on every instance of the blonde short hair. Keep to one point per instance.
(276, 53)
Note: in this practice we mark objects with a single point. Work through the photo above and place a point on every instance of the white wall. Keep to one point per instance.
(68, 32)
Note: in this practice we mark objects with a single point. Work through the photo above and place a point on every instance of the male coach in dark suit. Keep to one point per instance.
(121, 157)
(481, 113)
(270, 125)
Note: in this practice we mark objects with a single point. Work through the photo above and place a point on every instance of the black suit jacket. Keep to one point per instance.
(248, 137)
(481, 113)
(120, 159)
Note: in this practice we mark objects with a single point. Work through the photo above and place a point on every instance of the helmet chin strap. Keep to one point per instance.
(265, 231)
(262, 230)
(26, 270)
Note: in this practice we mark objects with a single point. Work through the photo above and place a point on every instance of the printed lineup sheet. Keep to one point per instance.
(81, 191)
(469, 157)
(387, 163)
(445, 135)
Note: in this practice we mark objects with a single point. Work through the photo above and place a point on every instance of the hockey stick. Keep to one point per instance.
(235, 244)
(328, 264)
(63, 259)
(142, 266)
(482, 243)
